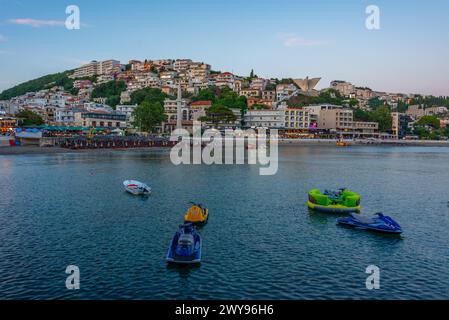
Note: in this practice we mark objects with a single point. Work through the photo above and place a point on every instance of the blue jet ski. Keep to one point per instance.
(379, 223)
(185, 247)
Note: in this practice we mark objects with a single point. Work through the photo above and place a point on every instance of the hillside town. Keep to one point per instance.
(191, 91)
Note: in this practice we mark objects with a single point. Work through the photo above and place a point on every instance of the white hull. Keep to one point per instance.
(136, 187)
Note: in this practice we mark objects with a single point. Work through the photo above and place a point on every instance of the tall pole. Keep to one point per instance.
(179, 108)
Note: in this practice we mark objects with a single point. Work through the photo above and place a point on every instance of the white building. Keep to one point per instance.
(171, 108)
(285, 91)
(264, 119)
(258, 83)
(64, 116)
(97, 68)
(126, 110)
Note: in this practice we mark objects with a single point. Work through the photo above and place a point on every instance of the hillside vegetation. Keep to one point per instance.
(45, 82)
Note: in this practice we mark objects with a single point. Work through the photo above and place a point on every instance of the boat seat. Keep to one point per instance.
(186, 240)
(363, 219)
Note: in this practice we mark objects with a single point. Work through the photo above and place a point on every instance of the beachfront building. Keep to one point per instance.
(362, 129)
(7, 125)
(126, 110)
(264, 119)
(64, 116)
(337, 119)
(100, 119)
(400, 124)
(296, 119)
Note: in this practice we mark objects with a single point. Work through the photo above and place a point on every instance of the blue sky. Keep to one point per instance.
(284, 38)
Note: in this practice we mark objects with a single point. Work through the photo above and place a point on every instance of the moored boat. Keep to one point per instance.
(136, 187)
(341, 143)
(185, 247)
(379, 223)
(341, 201)
(197, 214)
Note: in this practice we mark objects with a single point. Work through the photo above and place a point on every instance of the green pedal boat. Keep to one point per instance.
(341, 201)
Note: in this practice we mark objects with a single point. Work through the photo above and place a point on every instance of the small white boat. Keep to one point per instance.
(136, 187)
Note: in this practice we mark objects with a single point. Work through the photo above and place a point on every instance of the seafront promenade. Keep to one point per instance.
(72, 147)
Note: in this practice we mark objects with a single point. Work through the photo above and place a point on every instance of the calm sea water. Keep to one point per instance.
(261, 241)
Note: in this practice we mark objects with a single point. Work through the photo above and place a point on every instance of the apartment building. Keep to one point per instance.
(400, 124)
(198, 108)
(285, 91)
(296, 119)
(269, 95)
(225, 79)
(64, 116)
(363, 129)
(335, 119)
(257, 101)
(97, 68)
(258, 83)
(182, 64)
(198, 71)
(250, 93)
(171, 109)
(345, 88)
(264, 119)
(100, 119)
(126, 110)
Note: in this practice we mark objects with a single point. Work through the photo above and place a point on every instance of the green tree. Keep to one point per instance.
(219, 113)
(401, 107)
(381, 115)
(29, 118)
(45, 82)
(205, 94)
(353, 102)
(148, 95)
(111, 91)
(231, 99)
(374, 103)
(270, 87)
(362, 115)
(148, 115)
(431, 121)
(258, 107)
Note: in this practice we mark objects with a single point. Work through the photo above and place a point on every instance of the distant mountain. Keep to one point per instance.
(48, 81)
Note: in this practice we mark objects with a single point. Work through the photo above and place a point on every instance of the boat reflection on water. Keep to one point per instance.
(184, 270)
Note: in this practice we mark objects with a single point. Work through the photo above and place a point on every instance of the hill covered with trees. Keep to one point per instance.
(57, 79)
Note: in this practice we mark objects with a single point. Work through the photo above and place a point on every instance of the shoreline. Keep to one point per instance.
(395, 143)
(36, 150)
(29, 150)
